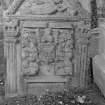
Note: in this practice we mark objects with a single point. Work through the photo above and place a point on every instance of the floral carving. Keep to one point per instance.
(50, 53)
(29, 53)
(47, 7)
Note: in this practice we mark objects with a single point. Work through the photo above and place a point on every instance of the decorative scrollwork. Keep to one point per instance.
(50, 53)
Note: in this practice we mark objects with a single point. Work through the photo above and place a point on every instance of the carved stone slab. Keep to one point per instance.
(60, 25)
(41, 43)
(69, 8)
(35, 24)
(47, 51)
(46, 7)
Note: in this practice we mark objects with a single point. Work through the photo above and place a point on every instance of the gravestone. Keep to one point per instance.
(99, 59)
(46, 46)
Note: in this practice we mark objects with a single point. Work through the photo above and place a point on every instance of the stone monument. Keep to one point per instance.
(99, 60)
(46, 45)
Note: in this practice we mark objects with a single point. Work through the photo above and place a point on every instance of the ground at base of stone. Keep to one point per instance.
(92, 92)
(96, 95)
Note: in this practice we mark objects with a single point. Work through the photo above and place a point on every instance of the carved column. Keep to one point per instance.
(82, 42)
(83, 63)
(11, 32)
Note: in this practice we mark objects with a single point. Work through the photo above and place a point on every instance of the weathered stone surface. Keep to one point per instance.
(45, 42)
(99, 60)
(82, 42)
(60, 25)
(99, 72)
(94, 46)
(39, 88)
(35, 24)
(46, 7)
(47, 53)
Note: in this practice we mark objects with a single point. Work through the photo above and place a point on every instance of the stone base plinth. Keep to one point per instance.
(99, 72)
(39, 85)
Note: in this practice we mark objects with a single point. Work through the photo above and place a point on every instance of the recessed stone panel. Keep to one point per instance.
(41, 88)
(35, 24)
(60, 25)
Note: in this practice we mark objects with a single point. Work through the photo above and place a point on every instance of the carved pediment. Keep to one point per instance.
(47, 7)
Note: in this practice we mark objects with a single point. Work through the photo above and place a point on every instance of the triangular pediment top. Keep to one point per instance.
(47, 7)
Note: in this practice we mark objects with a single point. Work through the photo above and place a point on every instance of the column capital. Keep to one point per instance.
(83, 41)
(10, 40)
(11, 29)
